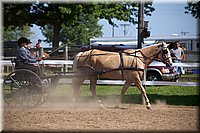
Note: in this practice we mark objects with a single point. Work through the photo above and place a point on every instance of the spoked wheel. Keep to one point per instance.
(23, 88)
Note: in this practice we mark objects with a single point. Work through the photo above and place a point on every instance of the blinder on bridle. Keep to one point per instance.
(164, 51)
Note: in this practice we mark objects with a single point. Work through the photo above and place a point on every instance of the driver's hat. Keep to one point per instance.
(22, 40)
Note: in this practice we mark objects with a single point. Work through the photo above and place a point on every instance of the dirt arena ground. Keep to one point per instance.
(62, 116)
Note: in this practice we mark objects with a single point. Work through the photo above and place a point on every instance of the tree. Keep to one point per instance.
(86, 27)
(16, 15)
(193, 7)
(56, 15)
(13, 33)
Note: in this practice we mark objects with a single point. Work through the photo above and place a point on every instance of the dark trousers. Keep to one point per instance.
(35, 69)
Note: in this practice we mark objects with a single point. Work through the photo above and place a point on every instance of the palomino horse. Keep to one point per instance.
(127, 65)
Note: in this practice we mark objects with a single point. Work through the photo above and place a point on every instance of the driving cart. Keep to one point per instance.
(25, 89)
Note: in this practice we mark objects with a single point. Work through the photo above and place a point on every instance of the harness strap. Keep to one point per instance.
(98, 72)
(121, 67)
(116, 69)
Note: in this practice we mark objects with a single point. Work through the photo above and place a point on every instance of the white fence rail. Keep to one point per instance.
(70, 62)
(118, 82)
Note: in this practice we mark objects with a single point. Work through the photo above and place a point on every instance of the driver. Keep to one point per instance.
(24, 58)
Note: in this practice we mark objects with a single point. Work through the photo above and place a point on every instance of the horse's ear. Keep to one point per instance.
(167, 44)
(156, 42)
(160, 45)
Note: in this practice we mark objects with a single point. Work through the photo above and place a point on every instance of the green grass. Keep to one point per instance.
(189, 75)
(190, 78)
(171, 95)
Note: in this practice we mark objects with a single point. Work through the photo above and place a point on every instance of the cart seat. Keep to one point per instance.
(15, 62)
(18, 65)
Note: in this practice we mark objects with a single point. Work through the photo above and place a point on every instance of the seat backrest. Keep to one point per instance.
(13, 63)
(13, 60)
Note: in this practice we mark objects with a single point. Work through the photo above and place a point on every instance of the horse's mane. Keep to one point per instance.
(153, 45)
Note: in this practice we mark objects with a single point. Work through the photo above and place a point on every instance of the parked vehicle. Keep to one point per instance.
(156, 71)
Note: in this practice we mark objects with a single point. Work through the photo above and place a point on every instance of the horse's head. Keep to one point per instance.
(164, 54)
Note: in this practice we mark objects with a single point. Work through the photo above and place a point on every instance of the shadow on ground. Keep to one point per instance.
(189, 100)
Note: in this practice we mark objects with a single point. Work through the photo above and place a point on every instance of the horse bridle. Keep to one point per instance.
(163, 52)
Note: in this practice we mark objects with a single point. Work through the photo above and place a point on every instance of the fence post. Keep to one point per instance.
(66, 58)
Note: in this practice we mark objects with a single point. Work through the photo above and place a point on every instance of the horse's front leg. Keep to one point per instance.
(93, 82)
(138, 83)
(123, 91)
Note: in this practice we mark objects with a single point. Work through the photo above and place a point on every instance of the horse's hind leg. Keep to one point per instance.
(123, 91)
(76, 83)
(93, 82)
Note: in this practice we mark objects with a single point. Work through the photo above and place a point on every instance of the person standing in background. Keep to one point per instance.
(177, 56)
(38, 44)
(39, 50)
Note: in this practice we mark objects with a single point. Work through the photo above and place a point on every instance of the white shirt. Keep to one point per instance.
(177, 52)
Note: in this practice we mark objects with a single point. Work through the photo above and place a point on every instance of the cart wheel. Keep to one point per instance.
(23, 88)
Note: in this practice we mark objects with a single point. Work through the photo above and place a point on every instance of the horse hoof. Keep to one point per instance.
(148, 107)
(102, 106)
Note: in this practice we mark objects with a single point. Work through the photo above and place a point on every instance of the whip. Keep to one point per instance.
(70, 42)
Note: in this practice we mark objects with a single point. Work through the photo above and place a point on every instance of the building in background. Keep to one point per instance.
(190, 44)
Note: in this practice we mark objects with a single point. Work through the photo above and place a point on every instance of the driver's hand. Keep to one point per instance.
(39, 59)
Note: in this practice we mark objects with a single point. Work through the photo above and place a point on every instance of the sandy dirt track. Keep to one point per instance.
(89, 117)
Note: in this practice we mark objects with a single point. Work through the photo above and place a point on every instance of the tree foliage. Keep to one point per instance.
(16, 15)
(13, 33)
(85, 28)
(65, 20)
(193, 7)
